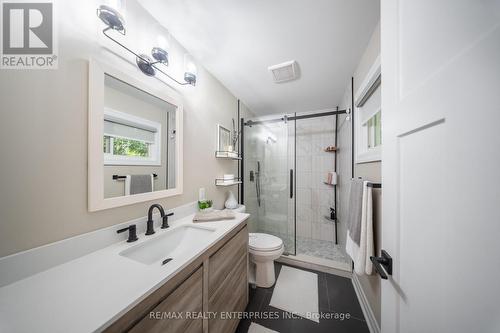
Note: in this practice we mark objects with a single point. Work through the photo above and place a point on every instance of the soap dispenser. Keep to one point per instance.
(333, 215)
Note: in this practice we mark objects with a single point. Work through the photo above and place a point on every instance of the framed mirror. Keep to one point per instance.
(135, 140)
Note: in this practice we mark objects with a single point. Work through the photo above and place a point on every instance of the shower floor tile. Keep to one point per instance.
(321, 249)
(315, 248)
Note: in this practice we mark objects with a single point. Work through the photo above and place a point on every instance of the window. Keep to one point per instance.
(368, 117)
(130, 140)
(374, 131)
(126, 147)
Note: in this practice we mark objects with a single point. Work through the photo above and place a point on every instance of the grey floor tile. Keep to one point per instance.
(336, 295)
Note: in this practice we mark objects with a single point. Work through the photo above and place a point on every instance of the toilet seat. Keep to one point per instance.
(264, 242)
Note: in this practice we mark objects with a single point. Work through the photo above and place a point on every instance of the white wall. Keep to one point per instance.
(369, 171)
(43, 127)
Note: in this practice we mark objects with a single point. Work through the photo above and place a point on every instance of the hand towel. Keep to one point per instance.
(215, 215)
(135, 184)
(355, 209)
(359, 244)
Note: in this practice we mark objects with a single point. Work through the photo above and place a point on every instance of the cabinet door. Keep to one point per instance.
(228, 283)
(223, 261)
(183, 302)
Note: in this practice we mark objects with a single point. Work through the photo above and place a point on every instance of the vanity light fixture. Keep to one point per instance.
(190, 70)
(114, 21)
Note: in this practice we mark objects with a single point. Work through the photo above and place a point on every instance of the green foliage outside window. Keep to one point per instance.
(126, 147)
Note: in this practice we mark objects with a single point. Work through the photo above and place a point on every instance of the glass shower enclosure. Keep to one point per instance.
(268, 178)
(287, 160)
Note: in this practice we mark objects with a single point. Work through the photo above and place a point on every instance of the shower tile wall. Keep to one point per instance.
(314, 198)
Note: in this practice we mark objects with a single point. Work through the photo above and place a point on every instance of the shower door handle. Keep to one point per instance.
(291, 183)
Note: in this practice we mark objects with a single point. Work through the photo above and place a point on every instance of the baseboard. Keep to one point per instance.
(300, 263)
(372, 323)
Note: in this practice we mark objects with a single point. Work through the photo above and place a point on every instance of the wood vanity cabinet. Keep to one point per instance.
(185, 298)
(228, 283)
(215, 284)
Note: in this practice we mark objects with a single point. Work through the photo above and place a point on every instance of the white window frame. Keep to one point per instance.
(155, 148)
(363, 153)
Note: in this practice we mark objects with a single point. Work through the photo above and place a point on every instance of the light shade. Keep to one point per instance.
(112, 18)
(160, 55)
(160, 51)
(163, 41)
(190, 69)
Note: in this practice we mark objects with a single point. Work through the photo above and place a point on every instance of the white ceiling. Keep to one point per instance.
(236, 40)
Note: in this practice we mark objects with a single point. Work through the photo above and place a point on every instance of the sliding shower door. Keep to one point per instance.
(269, 163)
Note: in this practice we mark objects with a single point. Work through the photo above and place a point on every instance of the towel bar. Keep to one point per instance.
(116, 177)
(372, 185)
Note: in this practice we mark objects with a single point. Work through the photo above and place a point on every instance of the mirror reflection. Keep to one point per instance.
(138, 141)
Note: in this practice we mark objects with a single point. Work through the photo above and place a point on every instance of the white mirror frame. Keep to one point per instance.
(96, 200)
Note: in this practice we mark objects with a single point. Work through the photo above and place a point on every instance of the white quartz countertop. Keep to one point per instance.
(89, 293)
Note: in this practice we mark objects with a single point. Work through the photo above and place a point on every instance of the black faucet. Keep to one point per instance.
(150, 229)
(164, 224)
(132, 233)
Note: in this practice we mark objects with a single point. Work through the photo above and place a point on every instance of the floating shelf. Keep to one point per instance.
(329, 184)
(330, 149)
(230, 155)
(223, 182)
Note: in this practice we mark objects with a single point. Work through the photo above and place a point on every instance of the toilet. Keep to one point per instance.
(263, 249)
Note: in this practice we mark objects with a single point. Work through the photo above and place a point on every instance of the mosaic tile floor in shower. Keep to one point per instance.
(317, 248)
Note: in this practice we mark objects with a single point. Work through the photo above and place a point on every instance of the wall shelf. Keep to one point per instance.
(331, 149)
(329, 219)
(329, 184)
(225, 182)
(229, 155)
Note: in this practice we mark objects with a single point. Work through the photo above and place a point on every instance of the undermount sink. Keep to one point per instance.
(172, 244)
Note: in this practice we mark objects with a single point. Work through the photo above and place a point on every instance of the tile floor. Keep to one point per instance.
(314, 247)
(336, 296)
(322, 249)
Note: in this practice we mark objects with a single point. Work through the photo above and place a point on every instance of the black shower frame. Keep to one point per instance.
(335, 113)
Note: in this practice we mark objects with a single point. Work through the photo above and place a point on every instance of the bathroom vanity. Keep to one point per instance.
(215, 282)
(130, 287)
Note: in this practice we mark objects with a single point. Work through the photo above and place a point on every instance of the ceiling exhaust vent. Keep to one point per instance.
(286, 71)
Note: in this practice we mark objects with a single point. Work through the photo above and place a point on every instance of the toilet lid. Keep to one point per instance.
(264, 242)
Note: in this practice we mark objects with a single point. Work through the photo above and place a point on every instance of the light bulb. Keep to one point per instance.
(190, 70)
(163, 41)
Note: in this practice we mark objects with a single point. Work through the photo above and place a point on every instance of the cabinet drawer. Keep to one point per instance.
(186, 298)
(225, 259)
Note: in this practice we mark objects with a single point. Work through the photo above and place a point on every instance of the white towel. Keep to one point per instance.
(361, 254)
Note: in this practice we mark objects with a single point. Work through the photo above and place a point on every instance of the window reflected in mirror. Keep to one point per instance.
(138, 141)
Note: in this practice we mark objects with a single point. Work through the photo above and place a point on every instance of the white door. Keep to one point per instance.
(441, 165)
